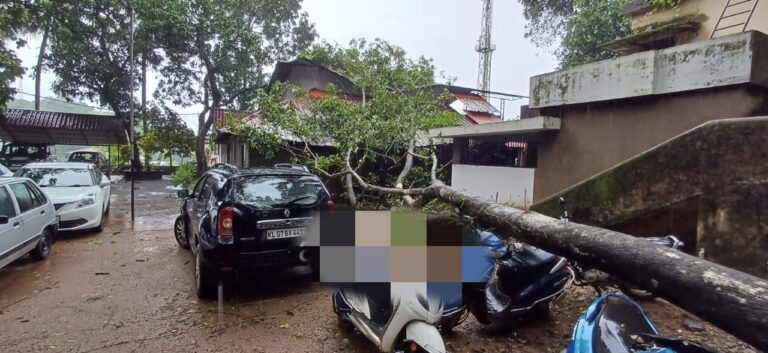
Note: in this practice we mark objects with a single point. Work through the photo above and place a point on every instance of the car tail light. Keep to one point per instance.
(226, 219)
(331, 205)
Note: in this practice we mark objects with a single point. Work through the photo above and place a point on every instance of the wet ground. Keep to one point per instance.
(129, 289)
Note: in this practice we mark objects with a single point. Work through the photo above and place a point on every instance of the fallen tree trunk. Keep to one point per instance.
(734, 301)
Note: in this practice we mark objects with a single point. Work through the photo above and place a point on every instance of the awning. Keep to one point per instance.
(513, 127)
(55, 128)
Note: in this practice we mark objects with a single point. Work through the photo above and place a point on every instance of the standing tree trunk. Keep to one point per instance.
(144, 127)
(39, 67)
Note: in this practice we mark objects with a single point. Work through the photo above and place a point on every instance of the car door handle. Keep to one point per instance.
(16, 224)
(42, 212)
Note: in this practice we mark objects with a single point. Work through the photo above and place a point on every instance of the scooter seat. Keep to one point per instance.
(618, 324)
(529, 256)
(524, 267)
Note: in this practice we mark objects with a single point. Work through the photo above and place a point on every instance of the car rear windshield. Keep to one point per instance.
(82, 157)
(277, 190)
(13, 150)
(58, 177)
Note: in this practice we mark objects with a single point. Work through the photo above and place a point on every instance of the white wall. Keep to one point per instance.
(511, 184)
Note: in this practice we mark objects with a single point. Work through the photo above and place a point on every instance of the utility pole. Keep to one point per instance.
(485, 48)
(133, 137)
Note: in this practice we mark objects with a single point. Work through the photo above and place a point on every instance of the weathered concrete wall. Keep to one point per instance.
(733, 225)
(505, 185)
(714, 63)
(594, 137)
(719, 169)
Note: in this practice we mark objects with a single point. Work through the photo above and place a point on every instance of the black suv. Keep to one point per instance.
(236, 219)
(15, 156)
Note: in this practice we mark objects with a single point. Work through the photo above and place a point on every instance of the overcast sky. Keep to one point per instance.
(444, 30)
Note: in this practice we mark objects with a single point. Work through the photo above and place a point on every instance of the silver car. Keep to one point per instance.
(27, 221)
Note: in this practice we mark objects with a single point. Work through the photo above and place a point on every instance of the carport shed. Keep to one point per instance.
(54, 128)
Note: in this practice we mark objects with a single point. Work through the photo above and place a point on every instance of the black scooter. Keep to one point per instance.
(599, 279)
(519, 281)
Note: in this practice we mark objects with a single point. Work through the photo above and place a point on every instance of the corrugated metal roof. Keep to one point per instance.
(55, 128)
(483, 118)
(475, 103)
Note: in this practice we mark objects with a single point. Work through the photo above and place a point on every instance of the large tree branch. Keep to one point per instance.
(734, 301)
(367, 186)
(404, 173)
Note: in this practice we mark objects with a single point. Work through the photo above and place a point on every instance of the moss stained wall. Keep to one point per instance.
(722, 162)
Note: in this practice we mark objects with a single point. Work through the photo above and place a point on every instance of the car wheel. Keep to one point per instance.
(43, 248)
(100, 228)
(205, 279)
(180, 232)
(106, 211)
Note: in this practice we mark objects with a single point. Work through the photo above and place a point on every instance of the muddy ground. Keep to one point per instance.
(129, 289)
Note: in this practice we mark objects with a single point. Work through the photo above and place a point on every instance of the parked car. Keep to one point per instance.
(15, 156)
(91, 156)
(5, 172)
(236, 219)
(27, 221)
(79, 191)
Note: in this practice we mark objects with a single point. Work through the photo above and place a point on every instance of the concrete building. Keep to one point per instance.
(587, 119)
(640, 143)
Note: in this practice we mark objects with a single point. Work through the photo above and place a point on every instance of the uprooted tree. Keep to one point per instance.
(381, 119)
(389, 129)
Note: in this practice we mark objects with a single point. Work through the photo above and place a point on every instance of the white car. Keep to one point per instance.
(79, 191)
(27, 221)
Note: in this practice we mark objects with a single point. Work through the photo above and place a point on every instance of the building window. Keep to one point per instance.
(520, 151)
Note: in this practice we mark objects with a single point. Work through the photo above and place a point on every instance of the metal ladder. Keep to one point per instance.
(729, 4)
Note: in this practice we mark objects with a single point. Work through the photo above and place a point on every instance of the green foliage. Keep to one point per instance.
(15, 18)
(581, 25)
(167, 134)
(392, 103)
(89, 52)
(116, 159)
(217, 50)
(665, 3)
(185, 175)
(594, 24)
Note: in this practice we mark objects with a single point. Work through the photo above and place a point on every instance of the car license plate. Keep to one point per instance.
(286, 233)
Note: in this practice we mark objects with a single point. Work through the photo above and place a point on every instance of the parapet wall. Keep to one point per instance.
(730, 60)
